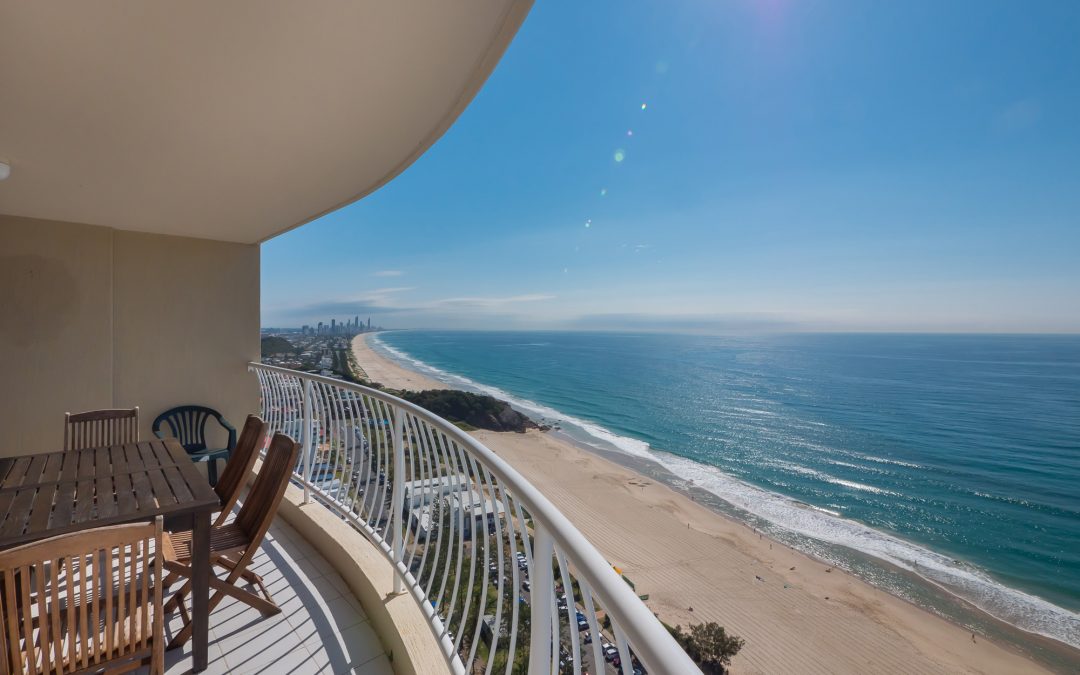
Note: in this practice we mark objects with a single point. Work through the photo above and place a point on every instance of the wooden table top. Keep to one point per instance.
(59, 492)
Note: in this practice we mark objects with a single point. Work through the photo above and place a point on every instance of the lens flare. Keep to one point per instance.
(588, 223)
(629, 132)
(620, 155)
(603, 192)
(643, 106)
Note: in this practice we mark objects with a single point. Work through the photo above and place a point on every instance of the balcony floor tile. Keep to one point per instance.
(321, 629)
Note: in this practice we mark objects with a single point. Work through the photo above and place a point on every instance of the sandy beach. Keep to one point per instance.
(386, 372)
(795, 613)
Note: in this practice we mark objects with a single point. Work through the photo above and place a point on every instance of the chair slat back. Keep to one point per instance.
(188, 425)
(83, 600)
(265, 495)
(96, 428)
(252, 440)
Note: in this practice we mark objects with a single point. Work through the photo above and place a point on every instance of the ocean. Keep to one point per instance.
(923, 463)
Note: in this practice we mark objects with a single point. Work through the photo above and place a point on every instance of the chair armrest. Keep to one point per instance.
(232, 432)
(160, 434)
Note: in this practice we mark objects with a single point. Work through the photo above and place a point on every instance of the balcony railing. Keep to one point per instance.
(505, 581)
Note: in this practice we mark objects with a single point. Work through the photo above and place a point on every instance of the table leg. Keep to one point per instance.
(200, 591)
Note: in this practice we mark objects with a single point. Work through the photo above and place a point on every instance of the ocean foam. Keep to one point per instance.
(628, 445)
(1021, 609)
(1013, 606)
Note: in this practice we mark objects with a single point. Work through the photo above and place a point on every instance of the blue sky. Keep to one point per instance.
(721, 166)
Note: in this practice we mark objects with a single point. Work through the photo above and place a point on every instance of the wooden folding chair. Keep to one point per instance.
(83, 602)
(237, 469)
(96, 428)
(234, 545)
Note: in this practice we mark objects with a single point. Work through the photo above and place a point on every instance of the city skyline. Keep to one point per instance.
(745, 167)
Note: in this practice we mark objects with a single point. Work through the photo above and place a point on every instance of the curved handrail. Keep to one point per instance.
(652, 643)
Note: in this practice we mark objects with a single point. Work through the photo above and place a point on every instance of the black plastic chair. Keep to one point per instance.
(187, 424)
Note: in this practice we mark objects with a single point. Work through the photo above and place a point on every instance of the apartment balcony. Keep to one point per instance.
(487, 575)
(322, 628)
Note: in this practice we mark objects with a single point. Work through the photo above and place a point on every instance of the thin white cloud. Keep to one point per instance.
(490, 303)
(387, 273)
(381, 297)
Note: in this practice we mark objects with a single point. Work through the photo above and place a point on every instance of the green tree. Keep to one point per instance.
(709, 645)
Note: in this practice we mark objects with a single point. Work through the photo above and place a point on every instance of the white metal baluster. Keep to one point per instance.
(275, 400)
(556, 634)
(414, 448)
(438, 473)
(289, 398)
(542, 582)
(308, 444)
(272, 401)
(571, 611)
(459, 471)
(263, 407)
(497, 498)
(371, 459)
(621, 644)
(324, 427)
(594, 625)
(340, 444)
(515, 577)
(378, 437)
(423, 472)
(323, 433)
(451, 477)
(484, 501)
(333, 417)
(397, 496)
(284, 397)
(467, 517)
(356, 406)
(428, 471)
(385, 456)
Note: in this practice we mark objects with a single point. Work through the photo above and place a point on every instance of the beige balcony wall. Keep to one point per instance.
(92, 317)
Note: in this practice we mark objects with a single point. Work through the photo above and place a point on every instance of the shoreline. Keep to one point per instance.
(796, 613)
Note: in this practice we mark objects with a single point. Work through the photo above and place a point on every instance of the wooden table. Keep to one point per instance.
(55, 493)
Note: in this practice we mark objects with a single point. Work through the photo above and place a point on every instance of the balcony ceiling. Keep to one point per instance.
(229, 120)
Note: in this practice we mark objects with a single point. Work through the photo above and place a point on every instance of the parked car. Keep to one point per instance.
(609, 651)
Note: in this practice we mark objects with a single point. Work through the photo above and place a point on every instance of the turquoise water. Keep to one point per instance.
(954, 457)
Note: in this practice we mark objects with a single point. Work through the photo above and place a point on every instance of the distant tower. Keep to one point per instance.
(369, 323)
(356, 322)
(319, 332)
(333, 326)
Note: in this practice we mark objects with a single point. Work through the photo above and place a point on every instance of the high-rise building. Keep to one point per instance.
(319, 332)
(369, 323)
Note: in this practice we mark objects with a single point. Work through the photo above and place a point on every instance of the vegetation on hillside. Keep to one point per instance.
(476, 410)
(273, 344)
